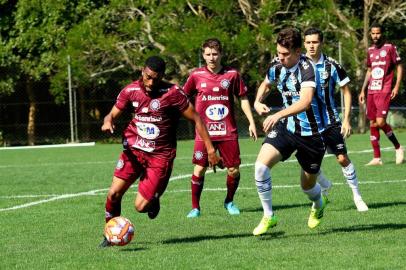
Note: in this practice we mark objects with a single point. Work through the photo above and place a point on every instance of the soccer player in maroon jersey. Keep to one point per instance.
(382, 60)
(149, 140)
(215, 86)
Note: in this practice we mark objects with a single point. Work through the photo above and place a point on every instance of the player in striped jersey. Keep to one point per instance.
(297, 127)
(330, 74)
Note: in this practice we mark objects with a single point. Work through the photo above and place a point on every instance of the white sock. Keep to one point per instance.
(323, 181)
(351, 176)
(314, 195)
(264, 187)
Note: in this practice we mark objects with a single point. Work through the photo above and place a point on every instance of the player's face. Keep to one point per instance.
(312, 45)
(212, 58)
(150, 78)
(376, 35)
(288, 57)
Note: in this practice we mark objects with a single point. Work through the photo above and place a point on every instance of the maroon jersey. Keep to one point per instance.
(215, 100)
(156, 117)
(382, 62)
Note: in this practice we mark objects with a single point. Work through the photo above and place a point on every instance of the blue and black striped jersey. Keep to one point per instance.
(289, 83)
(330, 74)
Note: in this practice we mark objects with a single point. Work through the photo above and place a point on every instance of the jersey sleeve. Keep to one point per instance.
(339, 74)
(395, 57)
(240, 89)
(190, 86)
(178, 99)
(368, 60)
(308, 74)
(122, 99)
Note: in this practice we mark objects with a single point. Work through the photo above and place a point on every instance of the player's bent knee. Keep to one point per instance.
(261, 171)
(233, 172)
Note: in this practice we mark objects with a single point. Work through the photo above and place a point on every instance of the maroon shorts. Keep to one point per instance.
(154, 172)
(229, 151)
(378, 105)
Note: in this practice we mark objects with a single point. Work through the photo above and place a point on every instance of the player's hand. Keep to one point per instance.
(253, 132)
(361, 98)
(108, 127)
(394, 93)
(346, 130)
(215, 160)
(270, 122)
(261, 108)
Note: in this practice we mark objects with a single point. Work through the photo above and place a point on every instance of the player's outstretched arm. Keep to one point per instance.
(108, 123)
(262, 92)
(246, 108)
(346, 125)
(191, 114)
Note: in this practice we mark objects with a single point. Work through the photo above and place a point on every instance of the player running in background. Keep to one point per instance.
(215, 86)
(149, 140)
(297, 127)
(382, 60)
(330, 74)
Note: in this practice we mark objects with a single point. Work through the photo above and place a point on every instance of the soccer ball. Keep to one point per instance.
(119, 231)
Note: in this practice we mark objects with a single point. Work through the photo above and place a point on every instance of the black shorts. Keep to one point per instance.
(310, 149)
(334, 140)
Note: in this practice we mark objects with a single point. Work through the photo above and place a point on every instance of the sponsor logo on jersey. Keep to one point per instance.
(143, 144)
(148, 118)
(290, 93)
(314, 166)
(340, 146)
(216, 89)
(198, 155)
(376, 85)
(129, 89)
(147, 130)
(154, 105)
(378, 63)
(225, 83)
(135, 104)
(144, 110)
(305, 65)
(377, 73)
(383, 53)
(214, 98)
(216, 128)
(203, 85)
(216, 112)
(120, 164)
(272, 134)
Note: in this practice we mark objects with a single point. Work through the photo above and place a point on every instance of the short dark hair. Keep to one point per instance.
(156, 64)
(314, 31)
(212, 43)
(289, 38)
(376, 25)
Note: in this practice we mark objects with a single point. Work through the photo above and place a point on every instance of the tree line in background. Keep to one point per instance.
(108, 41)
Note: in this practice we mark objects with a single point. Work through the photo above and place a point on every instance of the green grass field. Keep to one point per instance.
(52, 215)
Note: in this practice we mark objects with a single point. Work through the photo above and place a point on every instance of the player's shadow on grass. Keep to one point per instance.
(383, 205)
(367, 227)
(130, 249)
(276, 207)
(199, 238)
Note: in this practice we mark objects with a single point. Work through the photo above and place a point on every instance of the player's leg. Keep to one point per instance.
(268, 156)
(374, 130)
(310, 154)
(350, 174)
(200, 159)
(152, 185)
(230, 152)
(383, 104)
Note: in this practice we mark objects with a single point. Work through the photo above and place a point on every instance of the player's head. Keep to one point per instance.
(376, 32)
(288, 46)
(153, 72)
(212, 53)
(313, 41)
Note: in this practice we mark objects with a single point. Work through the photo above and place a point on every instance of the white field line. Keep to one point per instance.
(48, 146)
(81, 163)
(55, 197)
